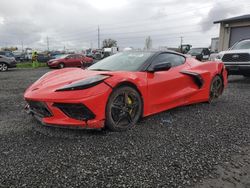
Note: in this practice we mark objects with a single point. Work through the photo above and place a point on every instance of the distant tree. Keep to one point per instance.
(148, 43)
(108, 43)
(10, 48)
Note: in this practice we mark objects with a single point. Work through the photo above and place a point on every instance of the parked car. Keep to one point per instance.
(201, 54)
(7, 53)
(6, 62)
(43, 57)
(19, 56)
(70, 60)
(118, 90)
(237, 58)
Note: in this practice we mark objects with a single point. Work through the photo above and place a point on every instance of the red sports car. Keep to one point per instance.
(117, 91)
(70, 60)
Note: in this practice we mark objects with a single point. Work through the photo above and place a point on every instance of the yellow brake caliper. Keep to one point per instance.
(130, 102)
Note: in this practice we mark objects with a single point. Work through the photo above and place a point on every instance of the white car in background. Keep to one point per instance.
(237, 58)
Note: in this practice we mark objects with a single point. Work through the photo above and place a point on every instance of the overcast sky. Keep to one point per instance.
(73, 23)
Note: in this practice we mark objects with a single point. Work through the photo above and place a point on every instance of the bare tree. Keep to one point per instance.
(108, 43)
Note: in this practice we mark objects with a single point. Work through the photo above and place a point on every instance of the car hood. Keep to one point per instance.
(45, 87)
(56, 59)
(235, 51)
(59, 78)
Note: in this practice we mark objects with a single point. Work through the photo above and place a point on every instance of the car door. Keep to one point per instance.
(78, 60)
(167, 89)
(70, 61)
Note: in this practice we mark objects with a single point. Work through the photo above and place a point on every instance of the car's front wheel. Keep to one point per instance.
(61, 65)
(3, 67)
(216, 88)
(124, 109)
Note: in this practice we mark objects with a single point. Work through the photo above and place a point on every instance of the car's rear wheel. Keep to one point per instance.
(61, 65)
(3, 67)
(124, 109)
(216, 88)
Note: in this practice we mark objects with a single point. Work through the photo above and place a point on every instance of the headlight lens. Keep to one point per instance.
(84, 84)
(219, 57)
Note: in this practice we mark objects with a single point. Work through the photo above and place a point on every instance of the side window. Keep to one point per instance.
(174, 59)
(70, 56)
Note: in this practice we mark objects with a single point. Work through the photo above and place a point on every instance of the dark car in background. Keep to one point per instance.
(201, 54)
(19, 56)
(70, 60)
(43, 57)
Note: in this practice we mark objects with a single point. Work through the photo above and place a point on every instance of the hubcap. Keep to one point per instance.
(124, 109)
(3, 67)
(216, 88)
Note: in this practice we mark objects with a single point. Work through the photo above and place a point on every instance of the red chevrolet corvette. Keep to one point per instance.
(115, 92)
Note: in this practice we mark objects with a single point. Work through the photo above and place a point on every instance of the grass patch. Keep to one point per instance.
(29, 65)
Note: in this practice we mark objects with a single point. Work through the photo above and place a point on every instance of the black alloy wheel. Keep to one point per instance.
(124, 109)
(216, 88)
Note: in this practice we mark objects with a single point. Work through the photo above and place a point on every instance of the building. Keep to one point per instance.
(233, 30)
(214, 44)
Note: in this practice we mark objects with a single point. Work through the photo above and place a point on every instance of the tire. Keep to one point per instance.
(216, 88)
(3, 67)
(61, 65)
(122, 114)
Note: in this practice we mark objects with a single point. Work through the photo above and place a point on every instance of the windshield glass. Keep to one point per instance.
(245, 44)
(125, 61)
(195, 51)
(59, 56)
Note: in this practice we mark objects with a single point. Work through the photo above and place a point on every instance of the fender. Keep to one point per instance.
(196, 77)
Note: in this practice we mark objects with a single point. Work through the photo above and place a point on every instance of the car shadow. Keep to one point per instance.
(238, 79)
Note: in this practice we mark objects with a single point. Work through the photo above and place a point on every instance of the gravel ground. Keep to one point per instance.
(194, 146)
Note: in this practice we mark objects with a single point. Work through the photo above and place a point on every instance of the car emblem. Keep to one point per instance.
(235, 56)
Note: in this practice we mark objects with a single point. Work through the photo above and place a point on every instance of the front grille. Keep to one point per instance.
(236, 57)
(39, 108)
(75, 110)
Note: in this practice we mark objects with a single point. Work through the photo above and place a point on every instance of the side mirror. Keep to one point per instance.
(164, 66)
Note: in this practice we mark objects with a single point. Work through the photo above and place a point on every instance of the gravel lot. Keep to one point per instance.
(198, 146)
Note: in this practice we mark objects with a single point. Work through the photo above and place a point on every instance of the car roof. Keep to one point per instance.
(156, 51)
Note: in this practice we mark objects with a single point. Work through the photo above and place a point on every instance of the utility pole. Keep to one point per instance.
(22, 45)
(181, 43)
(48, 43)
(98, 32)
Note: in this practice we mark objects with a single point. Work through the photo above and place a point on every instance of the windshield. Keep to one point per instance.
(60, 56)
(125, 61)
(245, 44)
(195, 51)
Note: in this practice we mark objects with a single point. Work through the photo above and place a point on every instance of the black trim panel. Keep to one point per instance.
(196, 77)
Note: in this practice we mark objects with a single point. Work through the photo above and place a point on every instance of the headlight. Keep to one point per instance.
(84, 84)
(219, 57)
